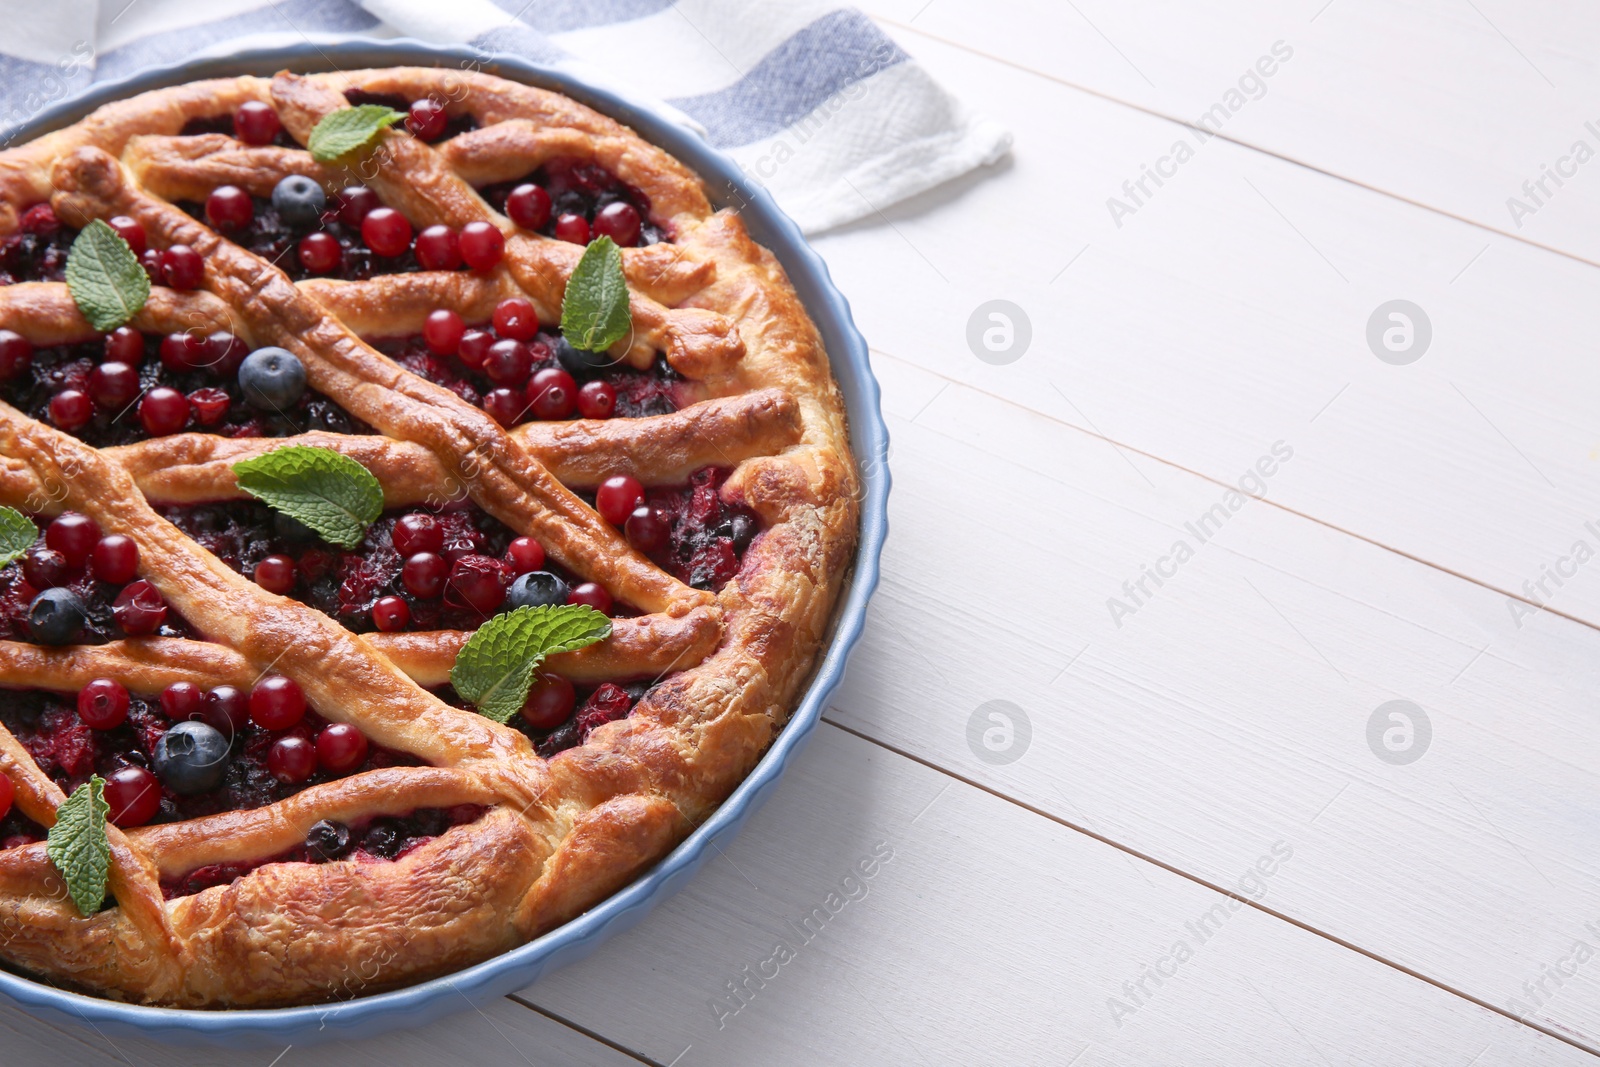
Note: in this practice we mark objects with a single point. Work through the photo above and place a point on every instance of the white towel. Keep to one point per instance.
(811, 99)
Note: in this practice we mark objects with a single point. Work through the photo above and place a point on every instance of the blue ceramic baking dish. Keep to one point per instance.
(847, 349)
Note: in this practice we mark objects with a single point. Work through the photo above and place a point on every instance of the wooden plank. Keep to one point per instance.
(1231, 703)
(988, 934)
(504, 1032)
(1232, 309)
(1447, 104)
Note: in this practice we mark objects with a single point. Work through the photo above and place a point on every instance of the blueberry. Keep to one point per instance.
(535, 589)
(273, 379)
(740, 529)
(577, 362)
(191, 758)
(59, 617)
(383, 838)
(327, 840)
(299, 201)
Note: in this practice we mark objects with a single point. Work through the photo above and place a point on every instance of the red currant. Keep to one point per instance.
(341, 748)
(477, 582)
(617, 497)
(183, 700)
(226, 709)
(427, 120)
(116, 559)
(482, 245)
(16, 354)
(103, 704)
(386, 231)
(553, 393)
(424, 574)
(276, 574)
(124, 345)
(134, 796)
(443, 330)
(163, 411)
(7, 795)
(45, 568)
(139, 609)
(508, 362)
(529, 207)
(474, 349)
(593, 594)
(505, 406)
(356, 202)
(130, 230)
(114, 385)
(620, 222)
(227, 353)
(229, 208)
(525, 555)
(292, 759)
(391, 614)
(515, 318)
(550, 702)
(150, 260)
(210, 405)
(597, 400)
(417, 532)
(647, 528)
(180, 351)
(438, 248)
(74, 536)
(319, 253)
(71, 409)
(182, 267)
(256, 123)
(574, 228)
(277, 702)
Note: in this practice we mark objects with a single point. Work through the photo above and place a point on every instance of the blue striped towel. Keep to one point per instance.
(811, 99)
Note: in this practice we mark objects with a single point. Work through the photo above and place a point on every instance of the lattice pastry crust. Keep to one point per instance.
(560, 835)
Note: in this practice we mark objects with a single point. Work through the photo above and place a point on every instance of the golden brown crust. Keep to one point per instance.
(559, 835)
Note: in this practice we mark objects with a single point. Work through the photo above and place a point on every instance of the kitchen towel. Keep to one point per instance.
(812, 100)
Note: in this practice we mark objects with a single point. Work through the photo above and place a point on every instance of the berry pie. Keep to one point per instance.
(419, 510)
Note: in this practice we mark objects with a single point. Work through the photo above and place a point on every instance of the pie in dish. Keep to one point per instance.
(301, 806)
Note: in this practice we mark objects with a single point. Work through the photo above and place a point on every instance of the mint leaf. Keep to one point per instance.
(104, 277)
(594, 311)
(495, 668)
(17, 534)
(350, 129)
(329, 492)
(78, 846)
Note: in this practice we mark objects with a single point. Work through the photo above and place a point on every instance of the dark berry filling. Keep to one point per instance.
(371, 840)
(225, 124)
(473, 550)
(454, 125)
(591, 707)
(215, 403)
(269, 236)
(17, 829)
(43, 567)
(705, 539)
(657, 390)
(583, 190)
(68, 750)
(37, 252)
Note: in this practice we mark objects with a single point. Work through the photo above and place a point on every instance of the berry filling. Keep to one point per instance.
(251, 131)
(501, 374)
(37, 252)
(689, 532)
(74, 587)
(425, 118)
(578, 201)
(559, 715)
(371, 840)
(175, 776)
(451, 576)
(133, 386)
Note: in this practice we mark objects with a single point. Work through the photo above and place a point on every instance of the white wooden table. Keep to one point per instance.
(1199, 850)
